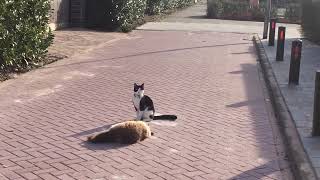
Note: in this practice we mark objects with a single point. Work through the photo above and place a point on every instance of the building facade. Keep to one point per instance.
(67, 13)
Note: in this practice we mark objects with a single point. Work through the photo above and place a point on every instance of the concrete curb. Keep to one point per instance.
(299, 160)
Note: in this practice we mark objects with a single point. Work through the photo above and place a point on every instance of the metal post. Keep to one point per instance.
(295, 62)
(280, 43)
(266, 19)
(272, 31)
(316, 107)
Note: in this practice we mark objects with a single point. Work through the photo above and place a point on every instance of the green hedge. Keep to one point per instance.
(125, 15)
(293, 12)
(239, 10)
(115, 14)
(159, 6)
(155, 6)
(24, 32)
(311, 20)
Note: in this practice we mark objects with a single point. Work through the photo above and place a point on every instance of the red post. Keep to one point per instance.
(272, 31)
(280, 43)
(295, 62)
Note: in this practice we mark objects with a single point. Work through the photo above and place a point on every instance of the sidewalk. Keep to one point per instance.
(75, 41)
(299, 99)
(211, 80)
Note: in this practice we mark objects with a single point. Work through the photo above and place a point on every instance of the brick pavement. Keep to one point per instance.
(75, 41)
(210, 80)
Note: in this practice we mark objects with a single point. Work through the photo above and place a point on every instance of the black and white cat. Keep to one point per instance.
(144, 106)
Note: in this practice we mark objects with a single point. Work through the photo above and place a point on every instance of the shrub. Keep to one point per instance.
(155, 6)
(239, 10)
(258, 13)
(214, 8)
(183, 3)
(159, 6)
(311, 20)
(24, 32)
(124, 15)
(293, 12)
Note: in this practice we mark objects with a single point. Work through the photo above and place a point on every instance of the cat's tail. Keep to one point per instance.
(165, 117)
(101, 138)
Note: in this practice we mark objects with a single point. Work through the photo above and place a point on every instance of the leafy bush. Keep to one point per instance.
(214, 8)
(258, 13)
(183, 3)
(155, 6)
(160, 6)
(239, 10)
(293, 12)
(115, 14)
(311, 20)
(24, 32)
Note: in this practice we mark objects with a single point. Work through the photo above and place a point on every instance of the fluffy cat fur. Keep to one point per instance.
(128, 132)
(144, 107)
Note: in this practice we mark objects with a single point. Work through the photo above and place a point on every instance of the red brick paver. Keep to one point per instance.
(210, 80)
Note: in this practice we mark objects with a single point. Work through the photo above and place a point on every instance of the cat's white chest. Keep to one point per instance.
(136, 102)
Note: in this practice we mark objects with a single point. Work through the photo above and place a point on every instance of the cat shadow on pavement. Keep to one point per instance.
(92, 131)
(102, 146)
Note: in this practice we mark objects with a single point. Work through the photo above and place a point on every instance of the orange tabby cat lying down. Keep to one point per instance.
(128, 132)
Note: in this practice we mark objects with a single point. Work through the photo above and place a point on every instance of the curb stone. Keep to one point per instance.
(299, 160)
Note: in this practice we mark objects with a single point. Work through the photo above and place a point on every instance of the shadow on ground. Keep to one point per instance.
(245, 103)
(102, 146)
(262, 170)
(198, 17)
(146, 53)
(91, 131)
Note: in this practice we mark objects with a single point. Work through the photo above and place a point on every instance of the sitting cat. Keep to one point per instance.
(144, 106)
(128, 132)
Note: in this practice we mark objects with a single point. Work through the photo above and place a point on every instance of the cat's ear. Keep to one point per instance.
(135, 84)
(142, 86)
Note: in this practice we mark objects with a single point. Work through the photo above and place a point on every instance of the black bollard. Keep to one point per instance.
(316, 107)
(272, 31)
(295, 62)
(280, 43)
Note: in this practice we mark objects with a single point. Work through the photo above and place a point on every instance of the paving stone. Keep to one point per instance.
(223, 130)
